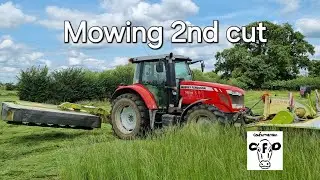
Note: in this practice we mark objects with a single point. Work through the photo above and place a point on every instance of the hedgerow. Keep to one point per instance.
(76, 84)
(294, 84)
(35, 84)
(70, 85)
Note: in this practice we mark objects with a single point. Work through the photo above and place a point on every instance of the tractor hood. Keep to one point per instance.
(201, 85)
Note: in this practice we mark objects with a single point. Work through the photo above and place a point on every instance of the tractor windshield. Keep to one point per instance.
(182, 70)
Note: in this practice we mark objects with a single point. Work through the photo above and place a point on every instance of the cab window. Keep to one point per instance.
(182, 70)
(150, 74)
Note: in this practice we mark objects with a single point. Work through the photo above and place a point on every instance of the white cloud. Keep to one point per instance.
(47, 62)
(62, 67)
(119, 61)
(35, 55)
(309, 27)
(140, 13)
(15, 56)
(115, 5)
(79, 59)
(289, 5)
(143, 10)
(12, 16)
(8, 69)
(317, 52)
(76, 58)
(137, 11)
(206, 53)
(256, 12)
(57, 16)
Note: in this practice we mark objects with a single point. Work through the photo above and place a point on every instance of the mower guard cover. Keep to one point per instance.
(308, 124)
(283, 117)
(27, 112)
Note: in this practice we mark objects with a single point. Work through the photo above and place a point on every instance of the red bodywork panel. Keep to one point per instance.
(145, 94)
(192, 91)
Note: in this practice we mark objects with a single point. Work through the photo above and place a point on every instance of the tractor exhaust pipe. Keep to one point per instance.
(171, 82)
(171, 75)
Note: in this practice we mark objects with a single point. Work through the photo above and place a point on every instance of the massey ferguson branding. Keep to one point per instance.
(204, 88)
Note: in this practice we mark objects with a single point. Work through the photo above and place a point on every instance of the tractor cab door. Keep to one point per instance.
(155, 80)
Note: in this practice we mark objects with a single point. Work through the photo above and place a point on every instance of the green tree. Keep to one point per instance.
(314, 68)
(280, 58)
(35, 84)
(111, 79)
(10, 86)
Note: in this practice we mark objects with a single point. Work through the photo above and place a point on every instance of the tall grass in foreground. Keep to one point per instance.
(189, 153)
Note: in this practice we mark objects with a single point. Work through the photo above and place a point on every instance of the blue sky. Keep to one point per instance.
(31, 32)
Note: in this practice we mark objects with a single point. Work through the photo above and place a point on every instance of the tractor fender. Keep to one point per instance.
(184, 112)
(140, 90)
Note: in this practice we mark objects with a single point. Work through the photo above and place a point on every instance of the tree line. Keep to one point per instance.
(281, 58)
(37, 84)
(8, 86)
(75, 84)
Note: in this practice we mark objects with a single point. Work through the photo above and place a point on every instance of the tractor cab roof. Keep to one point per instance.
(158, 57)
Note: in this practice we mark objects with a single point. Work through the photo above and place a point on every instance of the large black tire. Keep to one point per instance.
(211, 113)
(140, 115)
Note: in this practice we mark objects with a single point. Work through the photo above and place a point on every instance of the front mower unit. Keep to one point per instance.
(47, 115)
(286, 113)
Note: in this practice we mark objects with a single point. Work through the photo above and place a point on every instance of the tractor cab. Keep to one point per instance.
(161, 75)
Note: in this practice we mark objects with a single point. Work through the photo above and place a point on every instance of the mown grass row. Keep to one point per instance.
(29, 152)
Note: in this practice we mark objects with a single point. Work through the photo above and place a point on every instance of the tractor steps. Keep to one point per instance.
(35, 114)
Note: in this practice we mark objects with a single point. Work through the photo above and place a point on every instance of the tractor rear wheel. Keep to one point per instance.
(129, 116)
(203, 114)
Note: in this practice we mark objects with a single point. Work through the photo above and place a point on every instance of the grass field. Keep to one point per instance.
(187, 153)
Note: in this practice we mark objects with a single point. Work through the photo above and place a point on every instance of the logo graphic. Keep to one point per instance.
(264, 150)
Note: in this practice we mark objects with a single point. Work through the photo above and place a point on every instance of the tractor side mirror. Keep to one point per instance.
(202, 66)
(159, 67)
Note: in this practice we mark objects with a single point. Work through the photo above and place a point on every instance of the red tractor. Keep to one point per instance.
(163, 93)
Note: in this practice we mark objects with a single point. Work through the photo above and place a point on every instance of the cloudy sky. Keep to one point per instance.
(32, 33)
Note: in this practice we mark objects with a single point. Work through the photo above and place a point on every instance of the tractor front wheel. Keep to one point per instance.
(203, 114)
(129, 116)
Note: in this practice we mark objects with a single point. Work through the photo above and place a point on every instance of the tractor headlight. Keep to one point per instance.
(237, 99)
(237, 106)
(234, 93)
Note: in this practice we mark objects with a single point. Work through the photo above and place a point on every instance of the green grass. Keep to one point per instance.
(33, 152)
(187, 153)
(7, 93)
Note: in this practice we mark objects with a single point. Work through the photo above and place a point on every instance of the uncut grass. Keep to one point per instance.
(50, 153)
(190, 153)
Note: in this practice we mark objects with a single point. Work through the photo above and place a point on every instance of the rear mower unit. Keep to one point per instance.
(47, 115)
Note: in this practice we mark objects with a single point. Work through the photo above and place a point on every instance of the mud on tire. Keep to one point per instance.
(121, 117)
